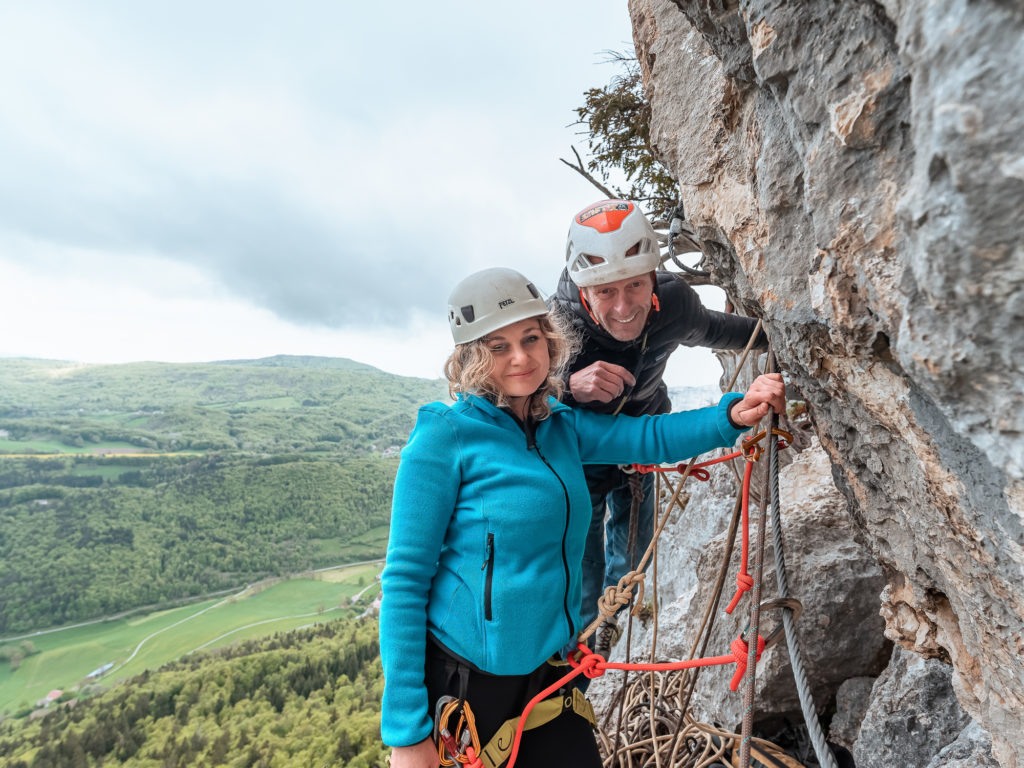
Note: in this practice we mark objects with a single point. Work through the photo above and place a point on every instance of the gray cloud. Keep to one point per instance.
(338, 165)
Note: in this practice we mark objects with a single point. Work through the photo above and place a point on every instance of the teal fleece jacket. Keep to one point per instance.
(487, 534)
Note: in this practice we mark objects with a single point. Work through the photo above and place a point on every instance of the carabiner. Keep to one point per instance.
(790, 603)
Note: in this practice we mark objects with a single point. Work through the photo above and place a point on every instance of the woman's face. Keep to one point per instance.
(521, 359)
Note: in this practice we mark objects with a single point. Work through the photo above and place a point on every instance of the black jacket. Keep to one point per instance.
(682, 319)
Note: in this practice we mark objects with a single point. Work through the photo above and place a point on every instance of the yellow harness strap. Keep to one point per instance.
(500, 746)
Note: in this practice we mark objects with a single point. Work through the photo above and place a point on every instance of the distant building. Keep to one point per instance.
(99, 671)
(51, 697)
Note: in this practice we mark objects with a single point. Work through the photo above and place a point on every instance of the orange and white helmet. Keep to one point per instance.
(608, 241)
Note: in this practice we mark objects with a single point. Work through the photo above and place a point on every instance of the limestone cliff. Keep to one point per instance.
(856, 171)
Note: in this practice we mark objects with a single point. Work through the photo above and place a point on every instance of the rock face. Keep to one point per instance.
(914, 714)
(856, 171)
(972, 749)
(852, 700)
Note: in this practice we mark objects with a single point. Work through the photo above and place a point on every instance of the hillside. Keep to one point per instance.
(131, 485)
(276, 404)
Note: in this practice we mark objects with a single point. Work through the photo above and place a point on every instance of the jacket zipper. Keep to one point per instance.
(489, 567)
(565, 535)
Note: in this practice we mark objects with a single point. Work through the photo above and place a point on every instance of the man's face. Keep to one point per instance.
(621, 307)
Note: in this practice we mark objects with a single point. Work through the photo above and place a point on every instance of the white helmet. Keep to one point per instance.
(600, 238)
(491, 299)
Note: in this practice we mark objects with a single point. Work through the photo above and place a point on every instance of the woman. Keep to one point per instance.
(490, 513)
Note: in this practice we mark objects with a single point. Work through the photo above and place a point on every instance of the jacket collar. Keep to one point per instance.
(485, 405)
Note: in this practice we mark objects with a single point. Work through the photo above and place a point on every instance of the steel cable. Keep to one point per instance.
(803, 688)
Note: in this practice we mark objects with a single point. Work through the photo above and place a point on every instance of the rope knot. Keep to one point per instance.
(618, 595)
(744, 582)
(740, 651)
(593, 664)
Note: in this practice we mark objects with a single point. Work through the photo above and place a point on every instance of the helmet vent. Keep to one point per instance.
(468, 313)
(533, 291)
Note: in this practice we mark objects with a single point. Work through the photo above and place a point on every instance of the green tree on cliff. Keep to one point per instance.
(617, 122)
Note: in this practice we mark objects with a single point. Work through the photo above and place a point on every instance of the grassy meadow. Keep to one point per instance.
(136, 643)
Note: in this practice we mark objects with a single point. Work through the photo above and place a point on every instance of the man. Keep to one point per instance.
(630, 318)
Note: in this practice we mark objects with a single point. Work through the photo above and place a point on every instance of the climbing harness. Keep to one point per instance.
(462, 745)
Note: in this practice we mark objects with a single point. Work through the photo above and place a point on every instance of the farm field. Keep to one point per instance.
(134, 644)
(54, 448)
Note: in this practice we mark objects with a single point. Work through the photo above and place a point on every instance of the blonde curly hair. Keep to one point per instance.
(469, 367)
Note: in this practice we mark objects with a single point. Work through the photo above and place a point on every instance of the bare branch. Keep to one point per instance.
(582, 171)
(694, 279)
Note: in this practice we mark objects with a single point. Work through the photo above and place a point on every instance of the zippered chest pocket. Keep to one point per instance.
(488, 566)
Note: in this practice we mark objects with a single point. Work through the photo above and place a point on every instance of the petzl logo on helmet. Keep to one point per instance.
(615, 211)
(506, 303)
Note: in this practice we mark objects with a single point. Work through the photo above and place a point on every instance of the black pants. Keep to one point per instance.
(568, 740)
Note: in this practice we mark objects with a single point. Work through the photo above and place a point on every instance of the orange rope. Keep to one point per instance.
(592, 665)
(750, 451)
(744, 581)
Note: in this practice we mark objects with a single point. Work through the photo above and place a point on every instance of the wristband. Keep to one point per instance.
(728, 415)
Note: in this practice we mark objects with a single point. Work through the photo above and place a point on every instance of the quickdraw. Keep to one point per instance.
(462, 746)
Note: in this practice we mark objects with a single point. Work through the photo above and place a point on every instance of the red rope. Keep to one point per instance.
(744, 581)
(594, 665)
(698, 470)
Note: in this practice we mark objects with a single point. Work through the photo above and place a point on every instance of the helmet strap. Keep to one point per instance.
(587, 307)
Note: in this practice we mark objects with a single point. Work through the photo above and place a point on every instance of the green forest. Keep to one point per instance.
(179, 529)
(129, 486)
(306, 698)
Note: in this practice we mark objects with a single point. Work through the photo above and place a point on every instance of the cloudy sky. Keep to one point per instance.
(197, 181)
